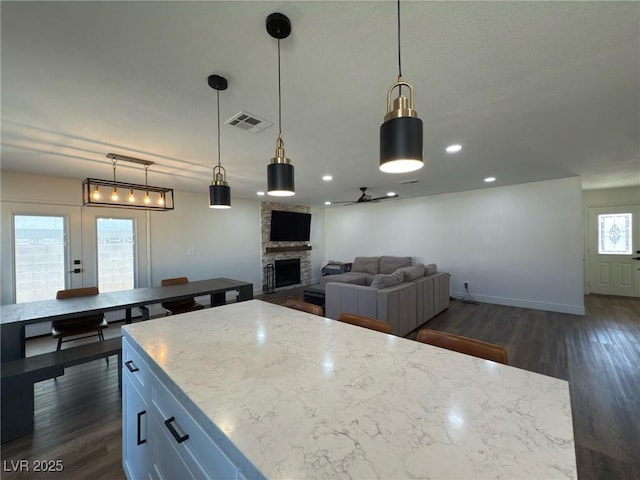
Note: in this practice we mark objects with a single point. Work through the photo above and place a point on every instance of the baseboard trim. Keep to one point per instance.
(525, 303)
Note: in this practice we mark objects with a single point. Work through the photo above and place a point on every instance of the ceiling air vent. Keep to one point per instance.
(409, 182)
(249, 122)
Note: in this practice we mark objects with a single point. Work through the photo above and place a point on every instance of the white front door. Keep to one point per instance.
(614, 250)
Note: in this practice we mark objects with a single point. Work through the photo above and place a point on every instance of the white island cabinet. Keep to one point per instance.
(254, 390)
(161, 440)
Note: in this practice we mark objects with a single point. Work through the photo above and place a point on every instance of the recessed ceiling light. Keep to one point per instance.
(490, 179)
(391, 194)
(453, 148)
(327, 178)
(261, 193)
(327, 203)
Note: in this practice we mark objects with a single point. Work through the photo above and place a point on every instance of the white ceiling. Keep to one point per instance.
(532, 90)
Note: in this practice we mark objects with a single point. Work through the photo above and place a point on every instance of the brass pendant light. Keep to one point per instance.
(401, 132)
(219, 190)
(280, 172)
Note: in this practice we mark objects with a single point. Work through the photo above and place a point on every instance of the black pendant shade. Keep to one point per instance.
(280, 179)
(219, 196)
(280, 172)
(401, 145)
(401, 131)
(219, 190)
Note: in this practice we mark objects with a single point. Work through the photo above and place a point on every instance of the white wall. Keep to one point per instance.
(611, 197)
(222, 243)
(199, 242)
(191, 240)
(518, 245)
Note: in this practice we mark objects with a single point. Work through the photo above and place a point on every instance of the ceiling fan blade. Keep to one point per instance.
(366, 198)
(385, 197)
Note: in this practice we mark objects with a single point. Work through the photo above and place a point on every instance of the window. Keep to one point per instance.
(39, 256)
(614, 234)
(116, 254)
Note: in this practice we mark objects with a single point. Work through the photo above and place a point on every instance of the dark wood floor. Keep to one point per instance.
(78, 416)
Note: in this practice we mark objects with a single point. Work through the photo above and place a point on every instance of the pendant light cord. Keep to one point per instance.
(218, 95)
(279, 94)
(399, 56)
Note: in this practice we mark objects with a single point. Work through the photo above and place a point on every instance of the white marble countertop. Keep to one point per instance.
(306, 397)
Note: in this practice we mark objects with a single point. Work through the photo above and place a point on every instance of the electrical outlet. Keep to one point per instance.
(466, 285)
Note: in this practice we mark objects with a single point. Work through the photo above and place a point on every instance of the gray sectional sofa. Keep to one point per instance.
(390, 289)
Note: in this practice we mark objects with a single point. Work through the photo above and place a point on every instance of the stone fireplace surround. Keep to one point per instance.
(287, 250)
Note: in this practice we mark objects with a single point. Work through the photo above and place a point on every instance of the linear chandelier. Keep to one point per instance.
(112, 193)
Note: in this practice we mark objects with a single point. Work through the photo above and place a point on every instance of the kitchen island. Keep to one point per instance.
(255, 390)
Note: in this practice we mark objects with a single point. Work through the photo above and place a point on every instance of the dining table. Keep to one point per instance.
(15, 317)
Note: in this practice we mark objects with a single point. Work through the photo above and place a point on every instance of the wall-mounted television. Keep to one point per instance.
(290, 226)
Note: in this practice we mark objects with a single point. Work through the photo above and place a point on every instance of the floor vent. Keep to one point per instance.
(249, 122)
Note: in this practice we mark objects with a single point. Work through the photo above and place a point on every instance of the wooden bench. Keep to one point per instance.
(19, 376)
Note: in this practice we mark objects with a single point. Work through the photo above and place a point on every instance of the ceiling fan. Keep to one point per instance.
(364, 198)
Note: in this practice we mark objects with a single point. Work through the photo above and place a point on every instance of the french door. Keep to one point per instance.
(55, 247)
(614, 250)
(46, 251)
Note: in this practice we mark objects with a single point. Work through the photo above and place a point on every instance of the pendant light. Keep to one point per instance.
(126, 195)
(401, 132)
(280, 181)
(219, 191)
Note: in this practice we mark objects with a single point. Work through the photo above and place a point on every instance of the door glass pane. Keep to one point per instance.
(614, 234)
(116, 259)
(39, 256)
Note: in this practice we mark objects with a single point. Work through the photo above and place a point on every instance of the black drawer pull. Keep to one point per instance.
(131, 369)
(140, 442)
(174, 432)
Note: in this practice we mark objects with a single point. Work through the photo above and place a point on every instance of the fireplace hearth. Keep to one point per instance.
(287, 272)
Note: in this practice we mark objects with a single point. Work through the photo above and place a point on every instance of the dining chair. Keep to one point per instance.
(469, 346)
(174, 307)
(87, 326)
(366, 322)
(304, 306)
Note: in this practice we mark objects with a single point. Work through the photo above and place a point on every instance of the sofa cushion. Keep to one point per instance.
(413, 272)
(357, 278)
(391, 264)
(384, 280)
(430, 269)
(366, 264)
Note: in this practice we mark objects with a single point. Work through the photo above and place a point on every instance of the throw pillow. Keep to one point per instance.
(430, 269)
(366, 265)
(391, 264)
(412, 273)
(384, 280)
